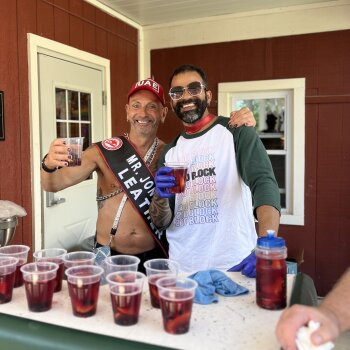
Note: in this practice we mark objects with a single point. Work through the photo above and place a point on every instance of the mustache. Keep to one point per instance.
(195, 101)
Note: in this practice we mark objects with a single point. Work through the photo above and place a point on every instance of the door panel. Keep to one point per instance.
(70, 105)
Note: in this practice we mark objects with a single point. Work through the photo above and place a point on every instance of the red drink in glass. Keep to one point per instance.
(177, 313)
(180, 180)
(75, 161)
(59, 277)
(271, 283)
(6, 287)
(39, 294)
(84, 298)
(18, 275)
(153, 290)
(126, 307)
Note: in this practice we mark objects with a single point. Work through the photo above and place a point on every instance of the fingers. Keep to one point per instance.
(290, 321)
(58, 155)
(242, 117)
(249, 271)
(328, 331)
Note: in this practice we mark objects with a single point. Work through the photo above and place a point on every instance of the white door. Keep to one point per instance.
(70, 105)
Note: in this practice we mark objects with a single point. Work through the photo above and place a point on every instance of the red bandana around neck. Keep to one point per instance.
(192, 129)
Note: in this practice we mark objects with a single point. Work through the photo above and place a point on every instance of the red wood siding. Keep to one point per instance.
(71, 22)
(323, 59)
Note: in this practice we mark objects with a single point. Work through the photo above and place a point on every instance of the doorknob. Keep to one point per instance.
(51, 200)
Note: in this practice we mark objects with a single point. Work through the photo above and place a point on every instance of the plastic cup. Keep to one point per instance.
(40, 281)
(156, 269)
(21, 253)
(76, 150)
(121, 263)
(79, 258)
(53, 255)
(179, 172)
(83, 286)
(7, 277)
(176, 299)
(126, 293)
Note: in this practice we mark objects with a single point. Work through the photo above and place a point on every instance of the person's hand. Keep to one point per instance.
(58, 155)
(247, 266)
(299, 315)
(164, 181)
(242, 117)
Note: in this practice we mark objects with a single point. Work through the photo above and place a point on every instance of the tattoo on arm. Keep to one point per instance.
(160, 211)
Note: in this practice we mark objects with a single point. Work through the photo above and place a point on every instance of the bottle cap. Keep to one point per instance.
(271, 241)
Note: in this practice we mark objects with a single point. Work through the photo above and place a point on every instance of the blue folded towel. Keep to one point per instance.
(211, 281)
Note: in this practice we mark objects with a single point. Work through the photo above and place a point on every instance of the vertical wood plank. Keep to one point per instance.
(45, 19)
(27, 18)
(61, 24)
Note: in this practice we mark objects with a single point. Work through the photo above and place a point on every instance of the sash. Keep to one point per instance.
(137, 181)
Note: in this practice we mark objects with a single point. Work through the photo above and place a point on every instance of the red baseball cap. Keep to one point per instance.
(150, 85)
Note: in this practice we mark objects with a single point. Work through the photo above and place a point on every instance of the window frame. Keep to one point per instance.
(294, 89)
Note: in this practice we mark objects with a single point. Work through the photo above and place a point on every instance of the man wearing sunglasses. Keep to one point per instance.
(120, 227)
(212, 225)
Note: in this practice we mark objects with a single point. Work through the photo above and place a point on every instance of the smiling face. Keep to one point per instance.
(144, 113)
(190, 108)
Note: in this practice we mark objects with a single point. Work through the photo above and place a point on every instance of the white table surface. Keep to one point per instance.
(232, 323)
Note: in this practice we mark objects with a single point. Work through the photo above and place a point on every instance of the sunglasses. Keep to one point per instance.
(194, 89)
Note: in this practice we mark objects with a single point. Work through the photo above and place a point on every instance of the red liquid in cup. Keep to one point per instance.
(84, 298)
(19, 276)
(153, 290)
(74, 161)
(180, 180)
(6, 287)
(39, 294)
(271, 283)
(59, 277)
(126, 308)
(177, 313)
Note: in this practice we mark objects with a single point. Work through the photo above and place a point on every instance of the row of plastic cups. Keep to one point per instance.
(15, 256)
(84, 279)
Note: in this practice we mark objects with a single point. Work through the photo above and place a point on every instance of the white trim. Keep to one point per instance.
(113, 13)
(294, 20)
(225, 93)
(36, 45)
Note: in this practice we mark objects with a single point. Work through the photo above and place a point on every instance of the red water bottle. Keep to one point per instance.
(271, 272)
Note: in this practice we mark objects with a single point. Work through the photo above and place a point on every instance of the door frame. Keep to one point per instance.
(36, 45)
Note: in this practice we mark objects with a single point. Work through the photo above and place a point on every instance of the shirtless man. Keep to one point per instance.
(145, 110)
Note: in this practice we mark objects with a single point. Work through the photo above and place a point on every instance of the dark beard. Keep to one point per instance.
(190, 117)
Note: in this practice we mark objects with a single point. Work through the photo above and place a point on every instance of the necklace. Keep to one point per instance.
(148, 158)
(192, 129)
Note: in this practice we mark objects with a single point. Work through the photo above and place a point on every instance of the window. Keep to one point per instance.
(73, 114)
(279, 109)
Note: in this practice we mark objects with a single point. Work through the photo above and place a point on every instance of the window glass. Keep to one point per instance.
(73, 115)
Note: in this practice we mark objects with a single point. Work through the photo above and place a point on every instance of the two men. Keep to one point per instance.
(120, 225)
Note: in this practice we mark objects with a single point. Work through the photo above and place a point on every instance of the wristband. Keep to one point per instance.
(45, 168)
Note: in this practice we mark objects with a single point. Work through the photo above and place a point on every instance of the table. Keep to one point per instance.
(232, 323)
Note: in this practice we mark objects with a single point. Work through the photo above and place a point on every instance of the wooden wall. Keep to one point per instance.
(324, 60)
(71, 22)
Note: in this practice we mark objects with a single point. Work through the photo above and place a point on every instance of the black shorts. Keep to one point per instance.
(155, 253)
